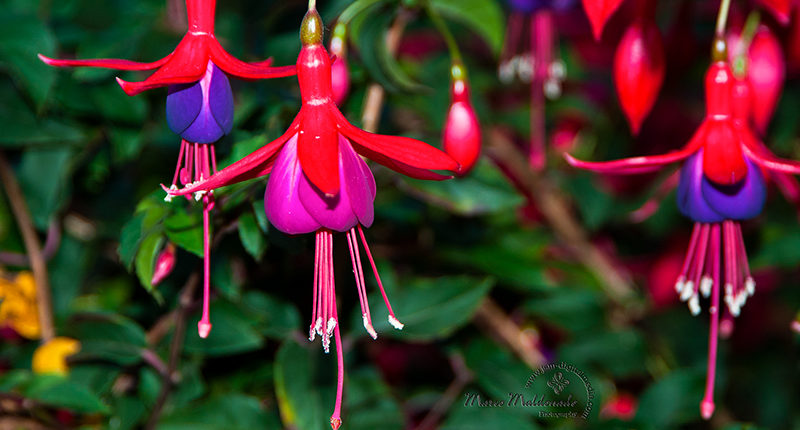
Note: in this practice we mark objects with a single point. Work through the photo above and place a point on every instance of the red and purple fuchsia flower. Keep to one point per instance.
(319, 183)
(199, 105)
(722, 182)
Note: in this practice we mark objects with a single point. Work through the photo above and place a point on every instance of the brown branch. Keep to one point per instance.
(32, 247)
(558, 215)
(453, 391)
(51, 244)
(492, 318)
(170, 377)
(373, 102)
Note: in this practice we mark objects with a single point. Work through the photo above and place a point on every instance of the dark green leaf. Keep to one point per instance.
(251, 236)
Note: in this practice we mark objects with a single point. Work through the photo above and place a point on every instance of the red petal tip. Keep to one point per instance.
(127, 87)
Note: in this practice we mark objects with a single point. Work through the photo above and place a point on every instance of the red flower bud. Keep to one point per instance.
(621, 406)
(766, 71)
(598, 12)
(164, 264)
(781, 9)
(462, 132)
(340, 75)
(639, 70)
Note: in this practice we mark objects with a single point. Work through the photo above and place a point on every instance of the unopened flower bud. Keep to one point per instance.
(766, 71)
(462, 133)
(340, 75)
(164, 264)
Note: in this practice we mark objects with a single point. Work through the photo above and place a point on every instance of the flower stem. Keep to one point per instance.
(32, 247)
(447, 35)
(722, 17)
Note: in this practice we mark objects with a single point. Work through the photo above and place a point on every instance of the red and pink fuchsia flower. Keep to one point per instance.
(319, 183)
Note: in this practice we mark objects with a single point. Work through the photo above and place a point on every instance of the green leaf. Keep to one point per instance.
(146, 260)
(483, 191)
(620, 352)
(484, 16)
(672, 401)
(250, 235)
(61, 392)
(298, 398)
(21, 38)
(430, 308)
(22, 129)
(272, 317)
(231, 332)
(108, 337)
(369, 403)
(185, 229)
(44, 179)
(231, 411)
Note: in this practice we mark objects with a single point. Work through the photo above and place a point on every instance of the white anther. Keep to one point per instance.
(368, 327)
(750, 286)
(331, 326)
(169, 196)
(680, 284)
(705, 286)
(395, 322)
(694, 305)
(688, 291)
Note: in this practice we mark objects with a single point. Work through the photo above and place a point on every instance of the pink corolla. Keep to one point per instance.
(319, 183)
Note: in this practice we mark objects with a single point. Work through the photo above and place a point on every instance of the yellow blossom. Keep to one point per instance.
(51, 357)
(18, 305)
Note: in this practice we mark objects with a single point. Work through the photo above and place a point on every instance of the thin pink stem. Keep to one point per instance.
(707, 405)
(690, 252)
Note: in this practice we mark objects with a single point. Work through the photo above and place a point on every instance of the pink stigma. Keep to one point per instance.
(203, 328)
(707, 409)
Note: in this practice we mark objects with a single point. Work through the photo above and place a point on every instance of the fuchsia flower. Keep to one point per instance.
(462, 131)
(639, 66)
(721, 183)
(318, 183)
(199, 105)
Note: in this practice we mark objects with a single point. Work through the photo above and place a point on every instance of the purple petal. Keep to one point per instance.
(690, 197)
(184, 102)
(282, 200)
(741, 201)
(201, 112)
(359, 182)
(220, 100)
(527, 6)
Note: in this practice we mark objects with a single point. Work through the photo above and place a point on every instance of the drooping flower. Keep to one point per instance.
(639, 66)
(721, 183)
(51, 357)
(462, 132)
(199, 105)
(318, 183)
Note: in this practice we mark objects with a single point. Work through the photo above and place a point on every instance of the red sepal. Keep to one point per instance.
(598, 12)
(108, 63)
(318, 147)
(405, 150)
(636, 165)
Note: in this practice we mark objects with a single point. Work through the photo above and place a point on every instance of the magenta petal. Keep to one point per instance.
(359, 182)
(282, 200)
(334, 212)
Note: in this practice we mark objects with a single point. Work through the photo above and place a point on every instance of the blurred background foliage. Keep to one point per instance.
(485, 287)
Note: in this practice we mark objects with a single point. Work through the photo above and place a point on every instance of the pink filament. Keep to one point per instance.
(375, 271)
(358, 272)
(707, 405)
(204, 170)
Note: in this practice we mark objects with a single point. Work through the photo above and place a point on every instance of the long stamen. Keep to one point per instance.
(358, 272)
(176, 176)
(312, 329)
(707, 405)
(749, 283)
(730, 268)
(204, 326)
(392, 318)
(680, 284)
(697, 270)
